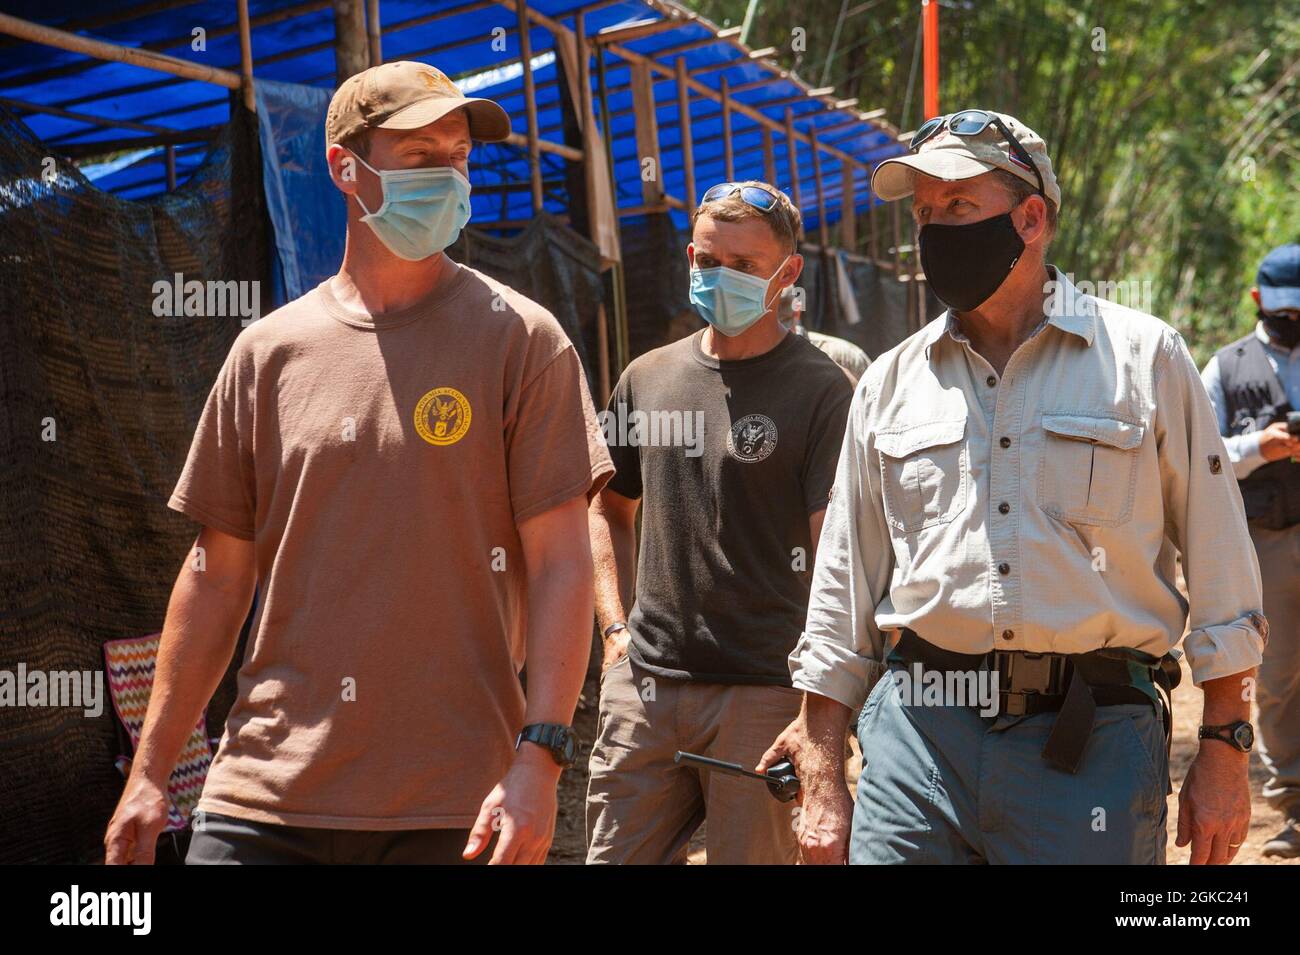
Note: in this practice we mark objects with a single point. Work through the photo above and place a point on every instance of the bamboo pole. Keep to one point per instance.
(602, 355)
(530, 98)
(751, 112)
(823, 230)
(246, 58)
(374, 32)
(588, 116)
(688, 144)
(102, 147)
(17, 104)
(898, 239)
(647, 136)
(769, 158)
(157, 46)
(170, 155)
(641, 29)
(547, 146)
(617, 284)
(848, 211)
(792, 154)
(350, 52)
(73, 43)
(728, 151)
(583, 106)
(873, 243)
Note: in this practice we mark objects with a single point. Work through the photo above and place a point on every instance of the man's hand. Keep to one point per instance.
(521, 808)
(615, 649)
(1275, 443)
(818, 758)
(139, 819)
(1214, 804)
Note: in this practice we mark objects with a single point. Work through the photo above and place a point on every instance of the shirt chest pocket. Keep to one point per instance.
(924, 472)
(1088, 468)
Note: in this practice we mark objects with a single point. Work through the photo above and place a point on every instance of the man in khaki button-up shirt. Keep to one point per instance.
(1023, 475)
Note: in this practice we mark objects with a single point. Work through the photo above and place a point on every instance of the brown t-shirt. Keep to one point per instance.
(382, 465)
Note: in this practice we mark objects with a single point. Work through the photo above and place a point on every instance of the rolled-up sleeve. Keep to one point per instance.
(841, 646)
(1206, 521)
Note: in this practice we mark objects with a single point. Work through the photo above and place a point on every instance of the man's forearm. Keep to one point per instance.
(559, 640)
(199, 635)
(613, 553)
(827, 721)
(1227, 699)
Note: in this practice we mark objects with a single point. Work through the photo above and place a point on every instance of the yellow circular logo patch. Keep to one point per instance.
(442, 416)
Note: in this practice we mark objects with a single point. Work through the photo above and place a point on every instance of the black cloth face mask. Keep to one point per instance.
(965, 264)
(1285, 331)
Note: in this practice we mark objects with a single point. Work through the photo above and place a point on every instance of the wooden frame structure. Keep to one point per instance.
(358, 43)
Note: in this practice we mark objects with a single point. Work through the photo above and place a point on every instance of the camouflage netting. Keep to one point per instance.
(88, 548)
(886, 305)
(551, 264)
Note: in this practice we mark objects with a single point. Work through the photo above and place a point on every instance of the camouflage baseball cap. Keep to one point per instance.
(407, 95)
(949, 156)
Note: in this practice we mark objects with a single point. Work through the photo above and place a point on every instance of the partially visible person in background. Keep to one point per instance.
(844, 353)
(732, 502)
(1254, 384)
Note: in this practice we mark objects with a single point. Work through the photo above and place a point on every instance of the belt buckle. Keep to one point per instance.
(1030, 673)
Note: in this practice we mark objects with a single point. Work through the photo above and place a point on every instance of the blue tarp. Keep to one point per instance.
(300, 197)
(299, 49)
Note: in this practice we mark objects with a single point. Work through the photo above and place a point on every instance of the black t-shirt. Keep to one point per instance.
(731, 458)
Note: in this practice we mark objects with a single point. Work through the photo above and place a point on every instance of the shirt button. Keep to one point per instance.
(990, 381)
(1008, 634)
(1004, 508)
(1004, 568)
(1004, 441)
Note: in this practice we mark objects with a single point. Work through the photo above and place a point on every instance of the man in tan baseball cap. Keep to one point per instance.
(407, 95)
(401, 461)
(1016, 483)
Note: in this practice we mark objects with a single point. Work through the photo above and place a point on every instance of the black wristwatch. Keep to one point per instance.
(1239, 735)
(558, 740)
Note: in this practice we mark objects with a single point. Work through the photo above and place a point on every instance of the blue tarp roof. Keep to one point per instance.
(293, 41)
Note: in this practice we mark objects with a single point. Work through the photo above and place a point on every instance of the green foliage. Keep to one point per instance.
(1174, 125)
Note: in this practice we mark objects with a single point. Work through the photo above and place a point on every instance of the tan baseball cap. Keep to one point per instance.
(407, 95)
(949, 156)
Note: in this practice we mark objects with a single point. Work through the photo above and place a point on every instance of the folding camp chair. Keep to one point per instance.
(130, 664)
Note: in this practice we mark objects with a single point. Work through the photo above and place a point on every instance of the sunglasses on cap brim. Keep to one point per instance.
(756, 196)
(972, 122)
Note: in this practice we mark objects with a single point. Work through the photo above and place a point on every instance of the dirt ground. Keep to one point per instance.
(570, 833)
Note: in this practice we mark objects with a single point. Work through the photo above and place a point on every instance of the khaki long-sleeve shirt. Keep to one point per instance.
(1041, 510)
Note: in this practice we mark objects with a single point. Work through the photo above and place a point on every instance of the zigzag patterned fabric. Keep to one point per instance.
(130, 665)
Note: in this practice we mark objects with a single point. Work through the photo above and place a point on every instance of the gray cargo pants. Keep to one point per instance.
(944, 785)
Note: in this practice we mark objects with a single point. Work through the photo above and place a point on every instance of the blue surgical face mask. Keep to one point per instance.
(423, 210)
(728, 300)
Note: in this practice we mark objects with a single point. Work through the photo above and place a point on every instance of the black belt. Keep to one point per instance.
(1071, 685)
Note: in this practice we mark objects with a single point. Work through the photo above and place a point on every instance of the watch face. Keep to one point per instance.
(1244, 734)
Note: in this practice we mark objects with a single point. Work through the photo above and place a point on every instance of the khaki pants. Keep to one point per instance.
(1279, 675)
(643, 809)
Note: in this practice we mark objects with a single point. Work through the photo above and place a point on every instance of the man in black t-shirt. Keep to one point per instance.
(730, 438)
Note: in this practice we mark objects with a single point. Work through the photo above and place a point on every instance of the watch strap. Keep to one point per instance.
(1225, 733)
(556, 738)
